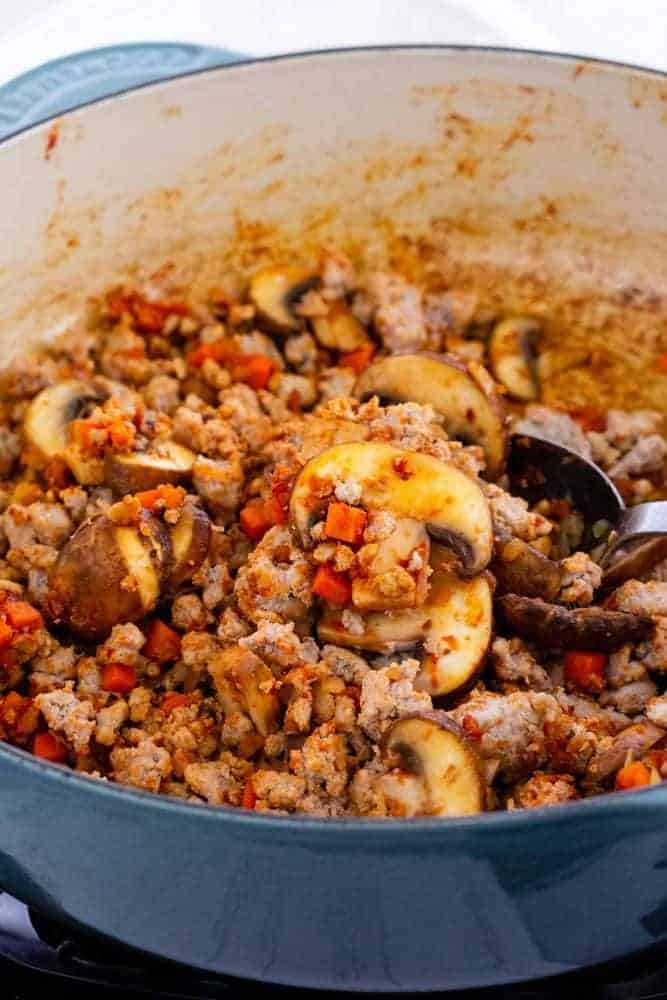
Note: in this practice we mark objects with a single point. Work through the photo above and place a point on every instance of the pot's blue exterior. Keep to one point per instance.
(357, 906)
(388, 906)
(83, 77)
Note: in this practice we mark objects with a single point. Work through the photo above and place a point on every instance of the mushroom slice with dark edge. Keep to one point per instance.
(107, 574)
(190, 539)
(46, 421)
(521, 569)
(274, 292)
(433, 749)
(635, 740)
(448, 502)
(513, 356)
(133, 472)
(339, 330)
(453, 625)
(555, 627)
(245, 684)
(463, 395)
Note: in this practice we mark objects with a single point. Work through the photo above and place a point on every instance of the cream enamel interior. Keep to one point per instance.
(538, 180)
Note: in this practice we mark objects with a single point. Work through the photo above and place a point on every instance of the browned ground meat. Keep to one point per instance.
(219, 639)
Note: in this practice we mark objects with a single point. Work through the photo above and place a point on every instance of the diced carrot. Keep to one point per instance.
(49, 747)
(173, 700)
(359, 359)
(136, 351)
(121, 434)
(162, 643)
(12, 706)
(20, 614)
(253, 369)
(85, 436)
(633, 775)
(249, 798)
(118, 677)
(57, 474)
(218, 350)
(6, 635)
(586, 670)
(345, 523)
(259, 515)
(589, 418)
(661, 363)
(332, 587)
(165, 496)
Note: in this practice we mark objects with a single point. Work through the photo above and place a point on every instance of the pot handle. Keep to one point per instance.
(69, 82)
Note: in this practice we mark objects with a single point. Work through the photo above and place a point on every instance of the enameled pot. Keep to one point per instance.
(541, 178)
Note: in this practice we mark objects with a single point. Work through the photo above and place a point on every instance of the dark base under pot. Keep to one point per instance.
(40, 957)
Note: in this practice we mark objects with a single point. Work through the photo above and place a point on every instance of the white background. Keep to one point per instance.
(34, 31)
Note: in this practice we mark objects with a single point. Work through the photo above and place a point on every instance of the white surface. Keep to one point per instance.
(34, 31)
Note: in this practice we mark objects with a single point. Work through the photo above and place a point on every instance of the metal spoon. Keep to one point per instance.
(634, 538)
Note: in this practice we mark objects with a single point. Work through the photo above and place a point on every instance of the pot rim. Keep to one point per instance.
(486, 824)
(334, 52)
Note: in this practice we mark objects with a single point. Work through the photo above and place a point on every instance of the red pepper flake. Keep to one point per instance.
(471, 727)
(52, 137)
(403, 469)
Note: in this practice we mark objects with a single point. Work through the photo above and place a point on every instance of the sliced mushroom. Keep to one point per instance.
(381, 582)
(339, 330)
(431, 747)
(274, 292)
(513, 356)
(448, 502)
(190, 539)
(635, 740)
(453, 626)
(135, 471)
(107, 574)
(633, 563)
(46, 421)
(555, 627)
(244, 683)
(521, 569)
(472, 411)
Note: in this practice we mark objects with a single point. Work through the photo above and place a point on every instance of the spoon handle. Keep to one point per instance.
(645, 523)
(641, 521)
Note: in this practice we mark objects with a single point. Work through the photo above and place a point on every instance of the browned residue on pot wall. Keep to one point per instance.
(471, 205)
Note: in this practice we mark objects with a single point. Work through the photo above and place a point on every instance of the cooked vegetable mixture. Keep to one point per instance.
(262, 552)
